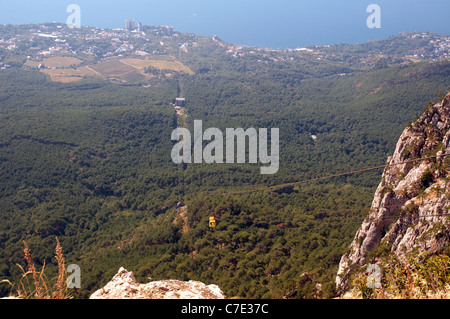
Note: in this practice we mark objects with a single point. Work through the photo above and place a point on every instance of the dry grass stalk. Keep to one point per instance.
(61, 287)
(32, 269)
(41, 287)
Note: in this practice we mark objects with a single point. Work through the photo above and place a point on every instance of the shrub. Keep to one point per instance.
(423, 277)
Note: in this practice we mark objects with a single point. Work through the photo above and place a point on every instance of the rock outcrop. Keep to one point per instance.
(411, 206)
(124, 286)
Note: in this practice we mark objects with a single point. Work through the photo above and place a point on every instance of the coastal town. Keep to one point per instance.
(29, 45)
(44, 40)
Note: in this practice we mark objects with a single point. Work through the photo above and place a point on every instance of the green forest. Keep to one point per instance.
(90, 162)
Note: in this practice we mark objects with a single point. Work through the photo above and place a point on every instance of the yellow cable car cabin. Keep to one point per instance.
(212, 222)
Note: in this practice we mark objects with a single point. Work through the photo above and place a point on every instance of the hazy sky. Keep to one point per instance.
(265, 23)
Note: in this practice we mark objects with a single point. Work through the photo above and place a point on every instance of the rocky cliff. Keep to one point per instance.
(411, 206)
(124, 286)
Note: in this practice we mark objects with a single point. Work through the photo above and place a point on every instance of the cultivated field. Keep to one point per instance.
(112, 68)
(56, 62)
(69, 75)
(63, 69)
(169, 64)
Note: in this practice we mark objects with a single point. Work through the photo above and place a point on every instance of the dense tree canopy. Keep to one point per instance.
(90, 162)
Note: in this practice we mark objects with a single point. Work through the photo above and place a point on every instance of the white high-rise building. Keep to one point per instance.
(129, 25)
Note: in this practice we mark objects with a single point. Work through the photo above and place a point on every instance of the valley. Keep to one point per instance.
(85, 152)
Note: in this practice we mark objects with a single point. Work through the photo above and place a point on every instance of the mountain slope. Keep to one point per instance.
(89, 162)
(410, 210)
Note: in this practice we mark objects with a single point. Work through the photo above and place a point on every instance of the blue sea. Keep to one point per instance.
(263, 23)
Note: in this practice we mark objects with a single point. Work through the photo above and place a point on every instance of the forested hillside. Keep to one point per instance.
(90, 162)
